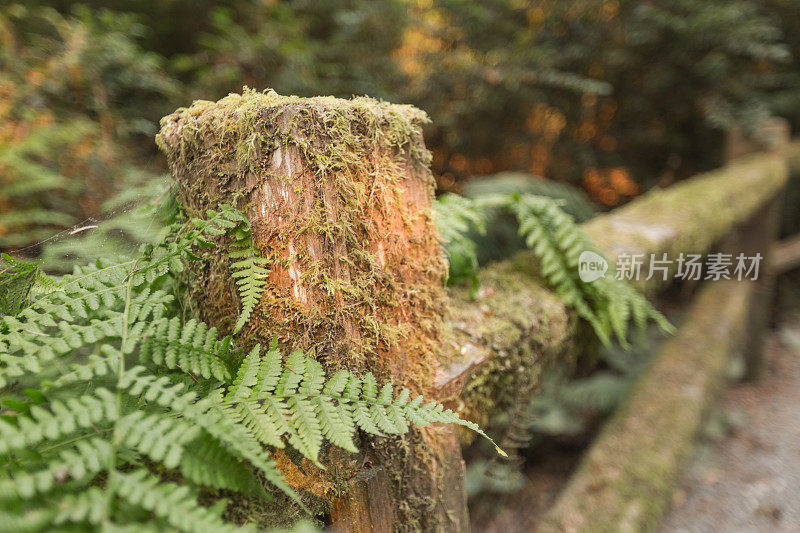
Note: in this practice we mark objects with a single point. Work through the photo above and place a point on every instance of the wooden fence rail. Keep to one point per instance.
(624, 482)
(339, 195)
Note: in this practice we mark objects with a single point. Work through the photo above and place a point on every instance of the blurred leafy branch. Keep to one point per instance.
(79, 103)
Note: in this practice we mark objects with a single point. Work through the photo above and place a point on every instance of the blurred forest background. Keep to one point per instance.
(612, 96)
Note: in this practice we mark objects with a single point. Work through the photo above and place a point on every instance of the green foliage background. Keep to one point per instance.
(557, 88)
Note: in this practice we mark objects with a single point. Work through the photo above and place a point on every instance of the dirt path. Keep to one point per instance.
(750, 480)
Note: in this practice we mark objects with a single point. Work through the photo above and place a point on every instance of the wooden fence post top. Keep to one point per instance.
(339, 195)
(768, 135)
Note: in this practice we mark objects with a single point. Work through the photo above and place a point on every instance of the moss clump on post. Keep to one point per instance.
(339, 194)
(504, 339)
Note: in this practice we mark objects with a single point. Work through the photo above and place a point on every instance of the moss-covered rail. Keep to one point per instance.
(625, 481)
(515, 326)
(339, 196)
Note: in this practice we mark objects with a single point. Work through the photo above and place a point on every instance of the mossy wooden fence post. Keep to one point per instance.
(756, 236)
(338, 193)
(755, 239)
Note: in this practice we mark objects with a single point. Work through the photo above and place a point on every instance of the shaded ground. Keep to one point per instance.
(750, 480)
(518, 512)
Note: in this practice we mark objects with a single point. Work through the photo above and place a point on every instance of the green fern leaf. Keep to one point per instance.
(195, 405)
(250, 272)
(78, 462)
(207, 463)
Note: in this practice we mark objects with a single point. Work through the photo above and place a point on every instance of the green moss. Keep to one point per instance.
(523, 328)
(248, 127)
(692, 216)
(227, 150)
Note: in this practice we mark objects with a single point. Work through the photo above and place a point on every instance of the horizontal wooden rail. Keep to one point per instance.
(625, 480)
(693, 215)
(515, 325)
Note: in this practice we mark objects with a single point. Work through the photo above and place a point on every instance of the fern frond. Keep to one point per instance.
(89, 505)
(261, 422)
(247, 376)
(606, 303)
(97, 366)
(195, 405)
(159, 437)
(139, 382)
(60, 419)
(28, 520)
(207, 463)
(456, 218)
(298, 404)
(601, 391)
(220, 422)
(34, 338)
(250, 272)
(192, 347)
(17, 279)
